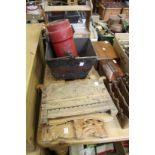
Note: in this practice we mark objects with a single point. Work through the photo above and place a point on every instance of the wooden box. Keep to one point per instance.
(104, 50)
(34, 68)
(105, 12)
(120, 40)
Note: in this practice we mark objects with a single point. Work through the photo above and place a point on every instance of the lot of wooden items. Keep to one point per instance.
(92, 127)
(84, 98)
(117, 81)
(106, 9)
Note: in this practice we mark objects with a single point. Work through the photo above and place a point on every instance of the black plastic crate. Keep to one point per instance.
(68, 68)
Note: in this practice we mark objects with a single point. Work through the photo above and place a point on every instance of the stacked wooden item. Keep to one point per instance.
(108, 8)
(74, 109)
(72, 8)
(117, 81)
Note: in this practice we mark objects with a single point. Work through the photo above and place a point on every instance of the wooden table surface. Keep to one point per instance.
(33, 32)
(34, 68)
(113, 128)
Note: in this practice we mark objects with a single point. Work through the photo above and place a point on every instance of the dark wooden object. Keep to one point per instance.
(104, 50)
(110, 69)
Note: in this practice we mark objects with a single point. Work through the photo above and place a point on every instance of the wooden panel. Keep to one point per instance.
(122, 37)
(103, 117)
(104, 50)
(110, 69)
(34, 66)
(113, 130)
(87, 7)
(106, 12)
(32, 39)
(78, 100)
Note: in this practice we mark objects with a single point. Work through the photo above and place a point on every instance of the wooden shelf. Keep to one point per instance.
(48, 8)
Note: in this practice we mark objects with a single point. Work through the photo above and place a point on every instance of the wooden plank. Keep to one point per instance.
(87, 109)
(68, 8)
(48, 8)
(104, 117)
(105, 13)
(37, 151)
(113, 130)
(32, 39)
(104, 50)
(34, 66)
(120, 38)
(78, 100)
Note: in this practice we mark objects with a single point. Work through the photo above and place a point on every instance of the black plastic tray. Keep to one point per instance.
(68, 68)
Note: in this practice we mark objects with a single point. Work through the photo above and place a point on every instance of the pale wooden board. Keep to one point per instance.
(103, 117)
(113, 130)
(37, 151)
(48, 8)
(70, 98)
(33, 32)
(119, 37)
(34, 66)
(122, 36)
(77, 127)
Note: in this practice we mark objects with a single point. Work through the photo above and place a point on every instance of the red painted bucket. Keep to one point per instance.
(61, 37)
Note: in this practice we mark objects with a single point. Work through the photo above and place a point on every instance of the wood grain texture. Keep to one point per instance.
(104, 50)
(105, 13)
(34, 66)
(33, 32)
(103, 117)
(122, 38)
(78, 128)
(110, 69)
(126, 12)
(76, 97)
(111, 125)
(37, 151)
(113, 130)
(48, 8)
